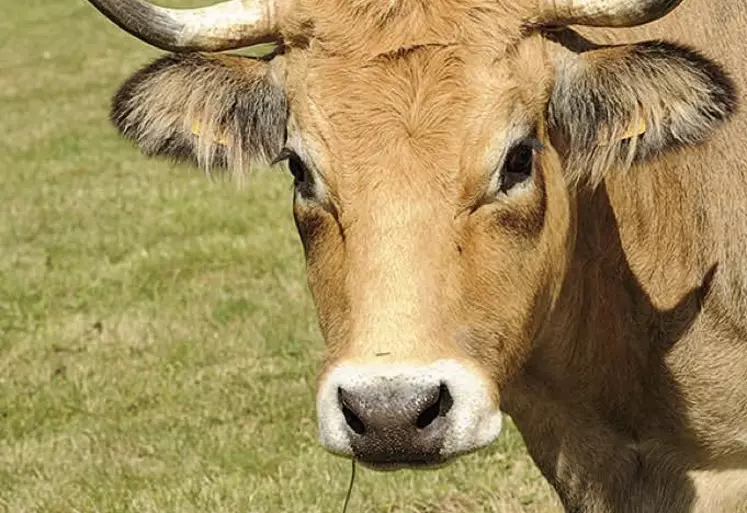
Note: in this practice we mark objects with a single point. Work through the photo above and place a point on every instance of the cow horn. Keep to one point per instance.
(604, 13)
(223, 26)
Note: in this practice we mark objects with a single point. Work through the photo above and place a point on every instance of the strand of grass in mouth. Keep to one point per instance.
(350, 488)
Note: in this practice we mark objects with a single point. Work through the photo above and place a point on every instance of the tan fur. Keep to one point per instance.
(362, 29)
(605, 301)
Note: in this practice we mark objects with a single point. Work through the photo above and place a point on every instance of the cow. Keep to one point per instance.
(529, 207)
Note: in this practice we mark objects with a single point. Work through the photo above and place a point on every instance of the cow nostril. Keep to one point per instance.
(439, 408)
(352, 420)
(428, 416)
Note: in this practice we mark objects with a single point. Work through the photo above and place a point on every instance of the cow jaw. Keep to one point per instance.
(392, 416)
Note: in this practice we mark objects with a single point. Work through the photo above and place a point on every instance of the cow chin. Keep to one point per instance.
(389, 417)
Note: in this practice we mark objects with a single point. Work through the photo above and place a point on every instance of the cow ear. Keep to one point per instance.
(614, 106)
(223, 111)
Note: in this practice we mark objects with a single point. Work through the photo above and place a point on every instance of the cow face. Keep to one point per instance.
(436, 224)
(434, 195)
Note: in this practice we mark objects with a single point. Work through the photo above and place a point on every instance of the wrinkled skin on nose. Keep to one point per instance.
(429, 285)
(392, 423)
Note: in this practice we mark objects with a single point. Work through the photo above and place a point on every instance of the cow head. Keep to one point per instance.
(437, 147)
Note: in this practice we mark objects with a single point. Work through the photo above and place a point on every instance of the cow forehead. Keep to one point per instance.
(427, 114)
(367, 28)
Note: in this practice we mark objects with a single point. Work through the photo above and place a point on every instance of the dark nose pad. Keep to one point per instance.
(397, 424)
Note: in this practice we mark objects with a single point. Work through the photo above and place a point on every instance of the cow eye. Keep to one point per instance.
(518, 165)
(295, 164)
(298, 169)
(302, 177)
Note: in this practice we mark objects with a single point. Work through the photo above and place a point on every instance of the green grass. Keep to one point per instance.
(158, 344)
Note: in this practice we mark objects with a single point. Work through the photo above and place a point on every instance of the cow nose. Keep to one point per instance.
(389, 416)
(396, 423)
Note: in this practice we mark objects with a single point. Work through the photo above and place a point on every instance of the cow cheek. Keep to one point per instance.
(324, 249)
(504, 290)
(499, 315)
(516, 294)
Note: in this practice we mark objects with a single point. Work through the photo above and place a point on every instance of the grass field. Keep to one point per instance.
(158, 344)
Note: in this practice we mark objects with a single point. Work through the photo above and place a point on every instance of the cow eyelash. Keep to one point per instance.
(284, 154)
(535, 144)
(303, 178)
(295, 164)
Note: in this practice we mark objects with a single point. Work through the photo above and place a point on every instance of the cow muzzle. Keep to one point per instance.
(395, 416)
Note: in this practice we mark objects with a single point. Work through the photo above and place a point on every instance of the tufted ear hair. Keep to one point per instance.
(614, 106)
(217, 111)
